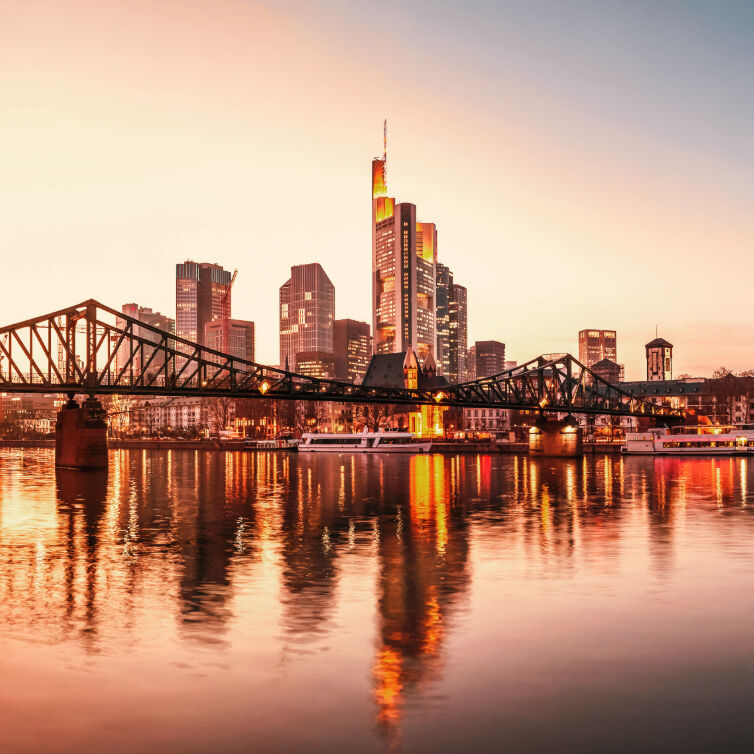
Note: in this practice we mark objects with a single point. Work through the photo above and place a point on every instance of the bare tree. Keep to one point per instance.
(221, 412)
(721, 372)
(309, 415)
(372, 416)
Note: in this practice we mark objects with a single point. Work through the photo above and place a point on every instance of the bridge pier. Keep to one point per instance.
(81, 435)
(552, 437)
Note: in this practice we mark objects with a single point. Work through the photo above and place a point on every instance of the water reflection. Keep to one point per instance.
(188, 538)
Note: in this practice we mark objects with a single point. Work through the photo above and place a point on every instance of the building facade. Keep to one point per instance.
(239, 334)
(307, 316)
(457, 333)
(403, 274)
(352, 349)
(202, 294)
(443, 281)
(489, 358)
(659, 360)
(608, 370)
(145, 357)
(596, 345)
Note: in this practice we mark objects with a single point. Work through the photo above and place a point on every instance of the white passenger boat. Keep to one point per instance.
(363, 442)
(703, 439)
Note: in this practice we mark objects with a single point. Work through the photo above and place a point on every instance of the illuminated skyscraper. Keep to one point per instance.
(307, 313)
(352, 349)
(489, 358)
(457, 333)
(200, 288)
(596, 345)
(444, 279)
(403, 273)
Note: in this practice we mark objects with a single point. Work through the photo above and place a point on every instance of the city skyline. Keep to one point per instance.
(628, 188)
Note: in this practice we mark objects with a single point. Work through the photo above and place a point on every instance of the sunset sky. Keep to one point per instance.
(588, 164)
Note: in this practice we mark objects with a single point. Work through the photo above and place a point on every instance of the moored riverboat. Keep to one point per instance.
(702, 439)
(363, 442)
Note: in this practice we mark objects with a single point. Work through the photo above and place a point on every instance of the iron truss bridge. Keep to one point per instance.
(93, 349)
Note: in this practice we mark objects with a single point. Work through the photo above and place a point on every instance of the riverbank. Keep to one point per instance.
(437, 447)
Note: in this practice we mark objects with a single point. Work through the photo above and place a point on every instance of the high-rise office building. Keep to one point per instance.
(403, 273)
(200, 289)
(489, 357)
(239, 333)
(144, 358)
(444, 279)
(352, 345)
(307, 314)
(596, 345)
(471, 363)
(457, 333)
(659, 360)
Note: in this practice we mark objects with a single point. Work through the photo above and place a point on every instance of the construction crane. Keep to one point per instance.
(225, 308)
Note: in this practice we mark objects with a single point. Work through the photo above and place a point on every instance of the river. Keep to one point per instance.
(200, 601)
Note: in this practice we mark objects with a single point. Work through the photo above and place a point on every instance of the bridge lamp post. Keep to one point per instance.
(439, 396)
(264, 387)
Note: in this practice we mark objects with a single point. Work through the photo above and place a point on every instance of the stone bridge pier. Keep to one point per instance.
(554, 437)
(81, 435)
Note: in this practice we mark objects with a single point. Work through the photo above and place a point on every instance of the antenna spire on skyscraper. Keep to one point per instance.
(384, 150)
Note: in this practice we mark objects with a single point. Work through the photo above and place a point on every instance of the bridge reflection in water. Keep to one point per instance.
(304, 561)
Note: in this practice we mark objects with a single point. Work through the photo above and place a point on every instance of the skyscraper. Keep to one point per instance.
(471, 363)
(352, 344)
(457, 333)
(403, 273)
(307, 314)
(143, 357)
(200, 288)
(489, 357)
(596, 345)
(240, 335)
(444, 279)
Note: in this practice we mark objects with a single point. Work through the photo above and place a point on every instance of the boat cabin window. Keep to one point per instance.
(701, 429)
(335, 441)
(699, 444)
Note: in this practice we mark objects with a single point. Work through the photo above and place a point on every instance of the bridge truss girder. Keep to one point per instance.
(93, 349)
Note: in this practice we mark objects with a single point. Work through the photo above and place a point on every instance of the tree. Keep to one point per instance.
(221, 412)
(721, 372)
(372, 416)
(309, 415)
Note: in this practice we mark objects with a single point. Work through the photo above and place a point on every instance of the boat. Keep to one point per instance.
(363, 442)
(701, 439)
(270, 444)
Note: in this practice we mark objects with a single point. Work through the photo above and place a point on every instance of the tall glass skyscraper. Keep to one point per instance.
(307, 314)
(457, 333)
(403, 273)
(444, 279)
(199, 291)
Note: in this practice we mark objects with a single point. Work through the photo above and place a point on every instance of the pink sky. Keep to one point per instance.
(137, 135)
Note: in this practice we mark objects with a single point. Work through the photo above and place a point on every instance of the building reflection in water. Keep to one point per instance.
(172, 534)
(423, 570)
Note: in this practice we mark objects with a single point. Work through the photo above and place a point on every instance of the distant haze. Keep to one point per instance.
(588, 164)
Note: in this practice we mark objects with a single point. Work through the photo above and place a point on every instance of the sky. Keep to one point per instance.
(588, 164)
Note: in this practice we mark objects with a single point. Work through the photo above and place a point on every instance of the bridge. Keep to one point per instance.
(92, 349)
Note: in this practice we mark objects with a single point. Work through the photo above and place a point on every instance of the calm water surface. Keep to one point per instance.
(202, 601)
